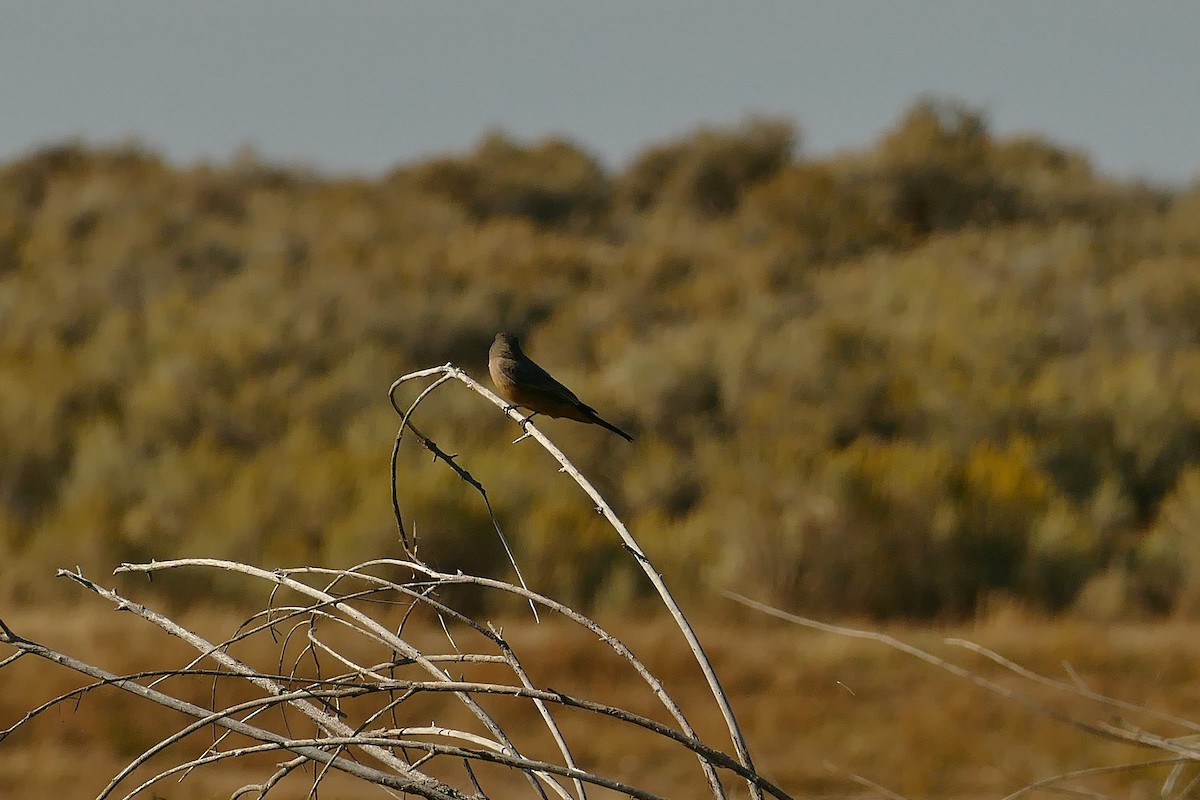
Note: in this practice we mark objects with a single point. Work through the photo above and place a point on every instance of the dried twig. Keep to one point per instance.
(633, 547)
(1182, 749)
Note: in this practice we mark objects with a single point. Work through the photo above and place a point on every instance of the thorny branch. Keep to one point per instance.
(338, 671)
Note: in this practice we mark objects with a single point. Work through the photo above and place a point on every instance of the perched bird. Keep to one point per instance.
(525, 384)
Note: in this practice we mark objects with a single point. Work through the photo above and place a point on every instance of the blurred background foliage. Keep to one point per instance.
(947, 370)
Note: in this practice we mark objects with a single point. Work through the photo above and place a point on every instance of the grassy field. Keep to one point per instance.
(818, 709)
(891, 384)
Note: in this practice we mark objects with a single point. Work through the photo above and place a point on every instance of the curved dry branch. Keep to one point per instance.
(1074, 688)
(1090, 772)
(327, 700)
(323, 720)
(413, 782)
(1134, 737)
(448, 458)
(707, 755)
(437, 452)
(630, 544)
(262, 789)
(656, 686)
(382, 634)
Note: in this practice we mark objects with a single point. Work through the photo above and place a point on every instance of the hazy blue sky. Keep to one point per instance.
(363, 85)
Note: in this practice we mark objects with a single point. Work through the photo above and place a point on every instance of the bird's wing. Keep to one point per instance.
(530, 375)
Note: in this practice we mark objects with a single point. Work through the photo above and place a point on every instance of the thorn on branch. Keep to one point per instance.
(640, 556)
(128, 567)
(8, 636)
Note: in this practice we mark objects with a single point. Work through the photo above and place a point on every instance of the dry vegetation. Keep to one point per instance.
(949, 374)
(898, 382)
(819, 709)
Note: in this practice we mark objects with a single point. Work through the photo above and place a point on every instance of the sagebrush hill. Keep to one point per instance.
(897, 382)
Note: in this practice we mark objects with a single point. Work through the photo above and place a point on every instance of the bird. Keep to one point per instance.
(526, 385)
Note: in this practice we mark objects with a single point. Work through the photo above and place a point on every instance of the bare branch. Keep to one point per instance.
(1140, 738)
(327, 701)
(640, 556)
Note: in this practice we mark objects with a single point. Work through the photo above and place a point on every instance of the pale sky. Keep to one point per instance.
(361, 86)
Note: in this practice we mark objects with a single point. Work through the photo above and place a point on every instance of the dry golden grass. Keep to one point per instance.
(817, 708)
(868, 368)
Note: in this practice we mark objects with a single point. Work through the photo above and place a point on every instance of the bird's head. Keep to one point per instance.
(507, 341)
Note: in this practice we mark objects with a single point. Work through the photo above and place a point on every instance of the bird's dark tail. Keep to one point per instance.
(598, 420)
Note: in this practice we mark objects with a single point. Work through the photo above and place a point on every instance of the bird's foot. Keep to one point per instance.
(524, 423)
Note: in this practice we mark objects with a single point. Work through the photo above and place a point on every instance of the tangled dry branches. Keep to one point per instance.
(347, 672)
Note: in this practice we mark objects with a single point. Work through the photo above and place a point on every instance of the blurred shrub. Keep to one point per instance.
(1166, 566)
(911, 530)
(824, 213)
(895, 382)
(1002, 495)
(708, 172)
(552, 183)
(1062, 554)
(896, 515)
(936, 171)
